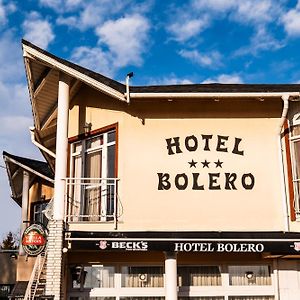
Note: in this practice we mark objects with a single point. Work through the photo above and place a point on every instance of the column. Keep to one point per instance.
(171, 276)
(25, 201)
(55, 238)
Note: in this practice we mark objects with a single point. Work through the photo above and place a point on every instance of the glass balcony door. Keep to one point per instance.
(92, 177)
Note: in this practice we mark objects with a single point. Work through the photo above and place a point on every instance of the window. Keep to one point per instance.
(38, 215)
(249, 275)
(251, 298)
(199, 276)
(92, 186)
(195, 282)
(95, 276)
(133, 276)
(5, 290)
(295, 156)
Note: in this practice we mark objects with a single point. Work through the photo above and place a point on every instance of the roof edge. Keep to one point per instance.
(30, 50)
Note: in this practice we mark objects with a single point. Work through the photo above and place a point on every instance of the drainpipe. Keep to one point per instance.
(285, 99)
(25, 201)
(286, 223)
(36, 143)
(129, 75)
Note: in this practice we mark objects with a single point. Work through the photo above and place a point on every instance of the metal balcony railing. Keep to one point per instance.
(91, 199)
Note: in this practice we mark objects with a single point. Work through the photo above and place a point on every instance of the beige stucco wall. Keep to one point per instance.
(142, 154)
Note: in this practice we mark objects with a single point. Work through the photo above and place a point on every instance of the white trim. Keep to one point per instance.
(29, 52)
(182, 239)
(214, 95)
(28, 169)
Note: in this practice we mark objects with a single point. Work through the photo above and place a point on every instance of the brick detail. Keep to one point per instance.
(54, 259)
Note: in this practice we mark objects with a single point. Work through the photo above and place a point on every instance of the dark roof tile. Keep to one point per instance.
(36, 165)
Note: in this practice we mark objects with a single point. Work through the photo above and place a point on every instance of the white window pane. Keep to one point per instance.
(99, 277)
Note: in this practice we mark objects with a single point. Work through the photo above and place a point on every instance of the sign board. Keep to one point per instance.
(34, 239)
(285, 247)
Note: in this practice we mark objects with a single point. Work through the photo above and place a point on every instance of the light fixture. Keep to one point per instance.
(13, 256)
(143, 277)
(87, 127)
(249, 275)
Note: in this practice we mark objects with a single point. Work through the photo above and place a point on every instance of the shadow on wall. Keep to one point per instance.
(8, 265)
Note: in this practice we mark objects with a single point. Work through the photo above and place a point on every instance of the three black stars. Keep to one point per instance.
(205, 163)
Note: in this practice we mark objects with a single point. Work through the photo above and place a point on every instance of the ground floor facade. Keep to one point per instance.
(126, 276)
(141, 269)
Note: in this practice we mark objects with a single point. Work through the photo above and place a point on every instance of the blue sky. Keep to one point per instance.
(162, 42)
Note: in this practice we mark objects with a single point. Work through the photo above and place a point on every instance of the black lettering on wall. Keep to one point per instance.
(229, 181)
(175, 144)
(221, 143)
(213, 180)
(248, 181)
(236, 149)
(181, 177)
(206, 137)
(191, 140)
(163, 181)
(196, 186)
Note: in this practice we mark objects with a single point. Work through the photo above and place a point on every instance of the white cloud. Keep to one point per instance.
(95, 59)
(211, 60)
(183, 30)
(5, 10)
(291, 21)
(256, 11)
(262, 40)
(85, 15)
(246, 11)
(38, 30)
(169, 80)
(62, 5)
(10, 58)
(215, 5)
(71, 21)
(225, 78)
(193, 18)
(126, 39)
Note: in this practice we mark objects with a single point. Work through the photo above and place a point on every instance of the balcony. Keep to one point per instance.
(91, 200)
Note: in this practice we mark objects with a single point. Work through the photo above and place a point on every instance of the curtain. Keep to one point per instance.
(260, 275)
(142, 277)
(251, 298)
(93, 187)
(199, 276)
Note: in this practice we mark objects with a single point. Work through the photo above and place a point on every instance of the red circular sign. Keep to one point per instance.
(34, 239)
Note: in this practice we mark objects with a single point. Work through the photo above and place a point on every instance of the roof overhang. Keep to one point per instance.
(15, 170)
(42, 71)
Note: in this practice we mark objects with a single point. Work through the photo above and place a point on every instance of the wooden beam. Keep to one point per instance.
(38, 86)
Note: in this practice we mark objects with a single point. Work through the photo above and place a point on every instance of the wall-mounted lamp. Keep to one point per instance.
(13, 256)
(249, 275)
(87, 127)
(143, 277)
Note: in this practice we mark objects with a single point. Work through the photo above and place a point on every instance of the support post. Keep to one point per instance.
(25, 201)
(55, 238)
(171, 276)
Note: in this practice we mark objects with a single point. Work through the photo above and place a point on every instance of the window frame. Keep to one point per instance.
(106, 208)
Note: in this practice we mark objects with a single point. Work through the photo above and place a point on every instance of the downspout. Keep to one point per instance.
(36, 143)
(285, 99)
(286, 223)
(129, 75)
